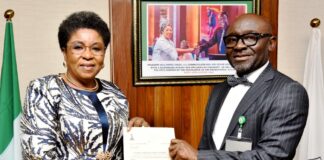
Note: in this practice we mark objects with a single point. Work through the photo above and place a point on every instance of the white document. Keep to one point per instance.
(147, 143)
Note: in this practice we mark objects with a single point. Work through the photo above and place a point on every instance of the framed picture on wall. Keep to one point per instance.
(180, 42)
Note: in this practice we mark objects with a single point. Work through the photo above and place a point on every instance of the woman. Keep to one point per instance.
(74, 115)
(164, 48)
(189, 56)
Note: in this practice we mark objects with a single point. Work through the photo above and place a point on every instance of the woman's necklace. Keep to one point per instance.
(93, 89)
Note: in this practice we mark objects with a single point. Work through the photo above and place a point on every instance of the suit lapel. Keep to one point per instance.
(258, 87)
(216, 104)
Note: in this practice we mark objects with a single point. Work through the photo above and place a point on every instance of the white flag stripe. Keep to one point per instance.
(14, 146)
(312, 142)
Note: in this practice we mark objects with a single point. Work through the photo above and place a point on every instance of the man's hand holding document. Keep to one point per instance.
(147, 143)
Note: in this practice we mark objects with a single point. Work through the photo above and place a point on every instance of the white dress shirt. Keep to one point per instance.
(229, 106)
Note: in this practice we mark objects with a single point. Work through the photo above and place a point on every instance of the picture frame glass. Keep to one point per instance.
(180, 42)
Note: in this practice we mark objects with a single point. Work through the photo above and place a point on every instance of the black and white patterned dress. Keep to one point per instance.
(60, 122)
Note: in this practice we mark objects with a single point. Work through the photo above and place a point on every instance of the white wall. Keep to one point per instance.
(294, 34)
(35, 26)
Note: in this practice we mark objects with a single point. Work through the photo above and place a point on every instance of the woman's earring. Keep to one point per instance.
(64, 64)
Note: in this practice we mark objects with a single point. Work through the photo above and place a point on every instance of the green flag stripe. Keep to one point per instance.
(10, 105)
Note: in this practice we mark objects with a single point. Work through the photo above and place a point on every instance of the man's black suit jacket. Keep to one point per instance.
(276, 108)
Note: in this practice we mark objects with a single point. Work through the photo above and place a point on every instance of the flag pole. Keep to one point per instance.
(9, 14)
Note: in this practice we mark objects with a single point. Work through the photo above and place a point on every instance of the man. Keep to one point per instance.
(216, 37)
(260, 119)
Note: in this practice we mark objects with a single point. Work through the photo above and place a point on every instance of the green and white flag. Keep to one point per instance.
(10, 105)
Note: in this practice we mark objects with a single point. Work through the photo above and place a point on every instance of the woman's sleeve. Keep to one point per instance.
(39, 124)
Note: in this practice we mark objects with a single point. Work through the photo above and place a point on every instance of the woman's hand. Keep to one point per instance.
(137, 122)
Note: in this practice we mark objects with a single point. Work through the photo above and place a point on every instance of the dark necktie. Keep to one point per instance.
(233, 81)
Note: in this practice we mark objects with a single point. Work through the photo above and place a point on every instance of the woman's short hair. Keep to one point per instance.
(163, 26)
(82, 19)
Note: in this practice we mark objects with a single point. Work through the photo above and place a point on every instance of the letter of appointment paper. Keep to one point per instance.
(147, 143)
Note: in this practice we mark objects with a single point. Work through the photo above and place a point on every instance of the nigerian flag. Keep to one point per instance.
(10, 106)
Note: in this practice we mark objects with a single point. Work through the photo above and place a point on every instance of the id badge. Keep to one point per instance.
(234, 144)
